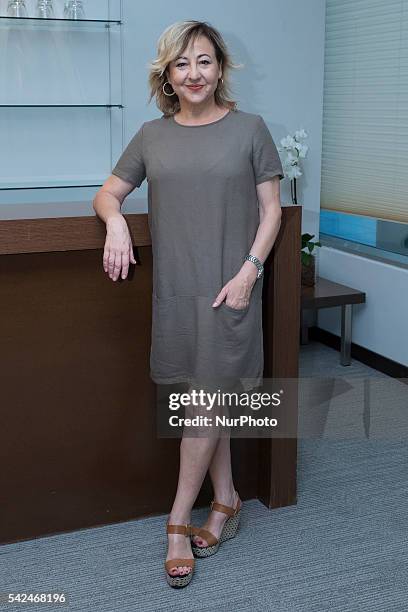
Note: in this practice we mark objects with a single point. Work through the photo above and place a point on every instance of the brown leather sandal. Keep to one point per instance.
(228, 531)
(179, 581)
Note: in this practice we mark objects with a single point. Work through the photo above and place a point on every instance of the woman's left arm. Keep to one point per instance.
(239, 288)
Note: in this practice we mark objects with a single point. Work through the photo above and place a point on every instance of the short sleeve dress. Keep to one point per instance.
(203, 217)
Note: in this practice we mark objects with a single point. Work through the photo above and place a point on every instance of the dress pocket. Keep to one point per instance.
(235, 310)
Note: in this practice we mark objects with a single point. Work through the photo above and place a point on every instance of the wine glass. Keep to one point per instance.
(45, 9)
(74, 9)
(17, 8)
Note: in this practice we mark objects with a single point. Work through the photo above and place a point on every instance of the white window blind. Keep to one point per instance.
(365, 108)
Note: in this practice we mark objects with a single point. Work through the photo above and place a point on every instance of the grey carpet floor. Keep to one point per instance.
(341, 548)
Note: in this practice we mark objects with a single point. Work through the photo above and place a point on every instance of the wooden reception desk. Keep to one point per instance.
(78, 442)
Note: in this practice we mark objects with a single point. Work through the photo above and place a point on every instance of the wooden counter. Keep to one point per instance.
(78, 443)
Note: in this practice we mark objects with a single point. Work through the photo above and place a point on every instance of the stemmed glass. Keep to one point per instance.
(45, 9)
(17, 8)
(74, 9)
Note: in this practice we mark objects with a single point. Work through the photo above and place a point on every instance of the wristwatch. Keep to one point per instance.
(258, 264)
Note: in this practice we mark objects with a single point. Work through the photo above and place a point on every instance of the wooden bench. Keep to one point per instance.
(326, 294)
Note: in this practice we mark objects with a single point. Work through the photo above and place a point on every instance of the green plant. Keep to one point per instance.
(307, 248)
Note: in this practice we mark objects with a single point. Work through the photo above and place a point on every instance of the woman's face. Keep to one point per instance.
(197, 65)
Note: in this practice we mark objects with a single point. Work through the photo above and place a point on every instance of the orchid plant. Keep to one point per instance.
(293, 150)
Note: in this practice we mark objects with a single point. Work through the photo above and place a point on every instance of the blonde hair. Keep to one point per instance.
(172, 42)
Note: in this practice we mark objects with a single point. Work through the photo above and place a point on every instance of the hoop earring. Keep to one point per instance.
(167, 94)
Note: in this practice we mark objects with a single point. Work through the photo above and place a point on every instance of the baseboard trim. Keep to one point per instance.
(370, 358)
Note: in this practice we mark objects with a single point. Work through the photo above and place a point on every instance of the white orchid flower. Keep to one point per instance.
(300, 133)
(292, 157)
(292, 151)
(302, 150)
(293, 172)
(288, 142)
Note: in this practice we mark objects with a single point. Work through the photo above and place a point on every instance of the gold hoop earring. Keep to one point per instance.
(167, 94)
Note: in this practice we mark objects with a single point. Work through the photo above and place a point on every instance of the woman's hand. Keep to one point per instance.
(118, 249)
(237, 291)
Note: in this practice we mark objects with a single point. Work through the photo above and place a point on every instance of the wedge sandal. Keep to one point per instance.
(228, 531)
(179, 581)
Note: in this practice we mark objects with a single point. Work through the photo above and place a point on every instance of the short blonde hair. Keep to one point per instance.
(172, 42)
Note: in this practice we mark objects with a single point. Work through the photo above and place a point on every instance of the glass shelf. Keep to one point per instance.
(61, 106)
(31, 35)
(6, 18)
(56, 184)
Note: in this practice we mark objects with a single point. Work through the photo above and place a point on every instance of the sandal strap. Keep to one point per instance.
(226, 509)
(205, 534)
(178, 563)
(181, 529)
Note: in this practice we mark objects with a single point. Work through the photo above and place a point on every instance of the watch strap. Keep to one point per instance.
(258, 264)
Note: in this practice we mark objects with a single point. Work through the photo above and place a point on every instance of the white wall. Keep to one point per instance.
(381, 324)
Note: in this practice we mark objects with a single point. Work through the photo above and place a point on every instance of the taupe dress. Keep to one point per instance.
(203, 218)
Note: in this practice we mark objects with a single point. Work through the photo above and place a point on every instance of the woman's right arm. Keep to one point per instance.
(118, 251)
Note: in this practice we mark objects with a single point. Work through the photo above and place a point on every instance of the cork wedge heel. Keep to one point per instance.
(229, 530)
(179, 581)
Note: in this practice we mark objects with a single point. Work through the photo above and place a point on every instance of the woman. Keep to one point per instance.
(214, 214)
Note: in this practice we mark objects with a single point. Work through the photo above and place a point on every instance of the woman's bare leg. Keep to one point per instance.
(195, 456)
(222, 481)
(224, 490)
